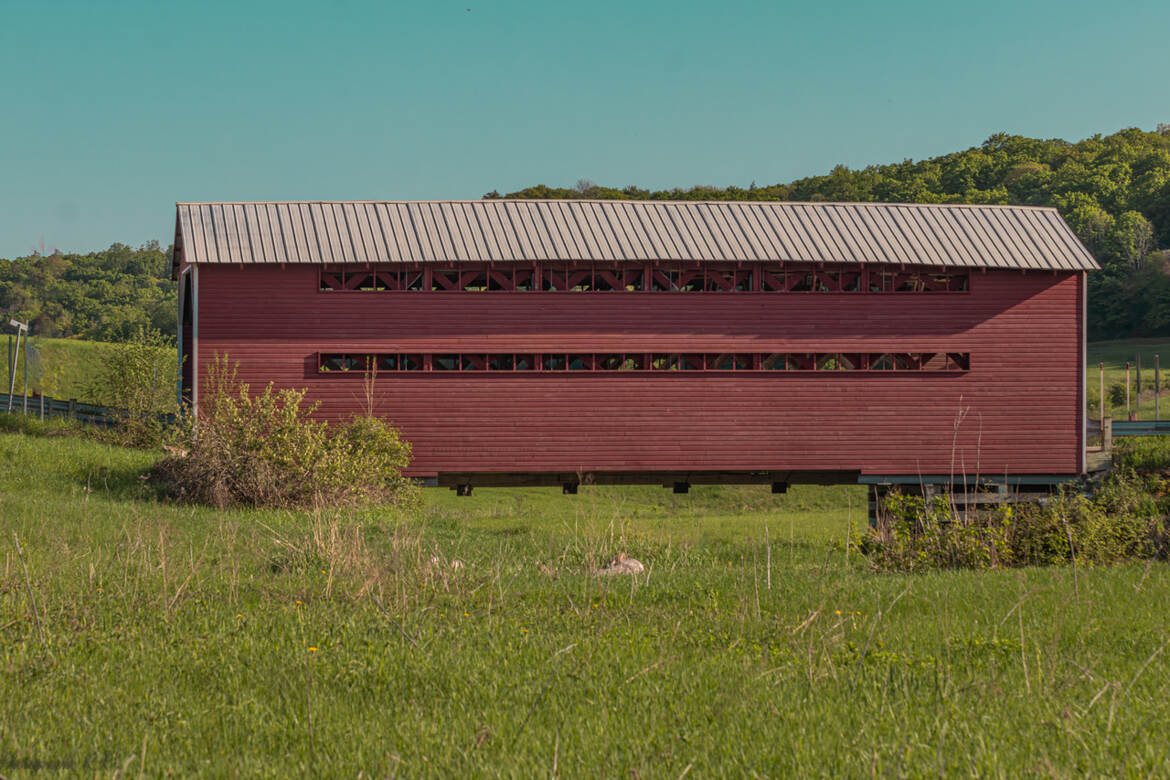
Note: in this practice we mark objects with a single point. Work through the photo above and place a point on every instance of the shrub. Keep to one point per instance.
(138, 379)
(1117, 394)
(1126, 518)
(915, 533)
(1147, 455)
(266, 450)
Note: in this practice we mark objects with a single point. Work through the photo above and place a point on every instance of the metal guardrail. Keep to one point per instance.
(1129, 427)
(1141, 427)
(59, 407)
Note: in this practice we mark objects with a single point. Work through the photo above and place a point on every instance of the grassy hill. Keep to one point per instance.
(62, 368)
(471, 638)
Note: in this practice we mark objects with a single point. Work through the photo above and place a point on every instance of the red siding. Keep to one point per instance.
(1021, 397)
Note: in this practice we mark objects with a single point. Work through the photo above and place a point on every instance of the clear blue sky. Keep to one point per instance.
(112, 111)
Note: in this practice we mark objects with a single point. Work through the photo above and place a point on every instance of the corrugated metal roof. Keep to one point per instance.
(1016, 237)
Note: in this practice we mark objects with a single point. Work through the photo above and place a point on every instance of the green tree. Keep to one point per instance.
(1133, 238)
(1114, 191)
(103, 295)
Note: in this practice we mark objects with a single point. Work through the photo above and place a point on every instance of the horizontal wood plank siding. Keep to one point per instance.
(1019, 404)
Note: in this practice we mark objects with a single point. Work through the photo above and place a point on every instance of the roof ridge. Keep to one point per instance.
(634, 201)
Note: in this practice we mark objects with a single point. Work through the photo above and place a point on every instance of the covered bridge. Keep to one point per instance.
(567, 342)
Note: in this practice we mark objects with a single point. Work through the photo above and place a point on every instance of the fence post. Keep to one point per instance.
(1157, 386)
(1137, 404)
(1128, 413)
(1101, 399)
(1107, 434)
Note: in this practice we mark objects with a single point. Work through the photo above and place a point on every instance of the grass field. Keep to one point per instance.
(471, 638)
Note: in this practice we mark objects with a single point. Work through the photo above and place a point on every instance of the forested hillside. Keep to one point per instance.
(1113, 190)
(103, 296)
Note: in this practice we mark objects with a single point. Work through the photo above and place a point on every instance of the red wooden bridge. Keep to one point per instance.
(570, 342)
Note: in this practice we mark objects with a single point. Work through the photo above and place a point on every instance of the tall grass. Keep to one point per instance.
(471, 638)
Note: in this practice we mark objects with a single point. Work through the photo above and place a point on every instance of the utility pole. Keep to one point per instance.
(21, 331)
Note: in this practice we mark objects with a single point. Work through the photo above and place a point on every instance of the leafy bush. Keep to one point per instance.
(1126, 518)
(914, 533)
(265, 450)
(1144, 455)
(1117, 394)
(1122, 520)
(138, 380)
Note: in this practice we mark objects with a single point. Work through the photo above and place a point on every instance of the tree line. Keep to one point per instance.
(104, 296)
(1113, 190)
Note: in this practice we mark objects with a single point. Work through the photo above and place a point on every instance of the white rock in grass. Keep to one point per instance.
(623, 564)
